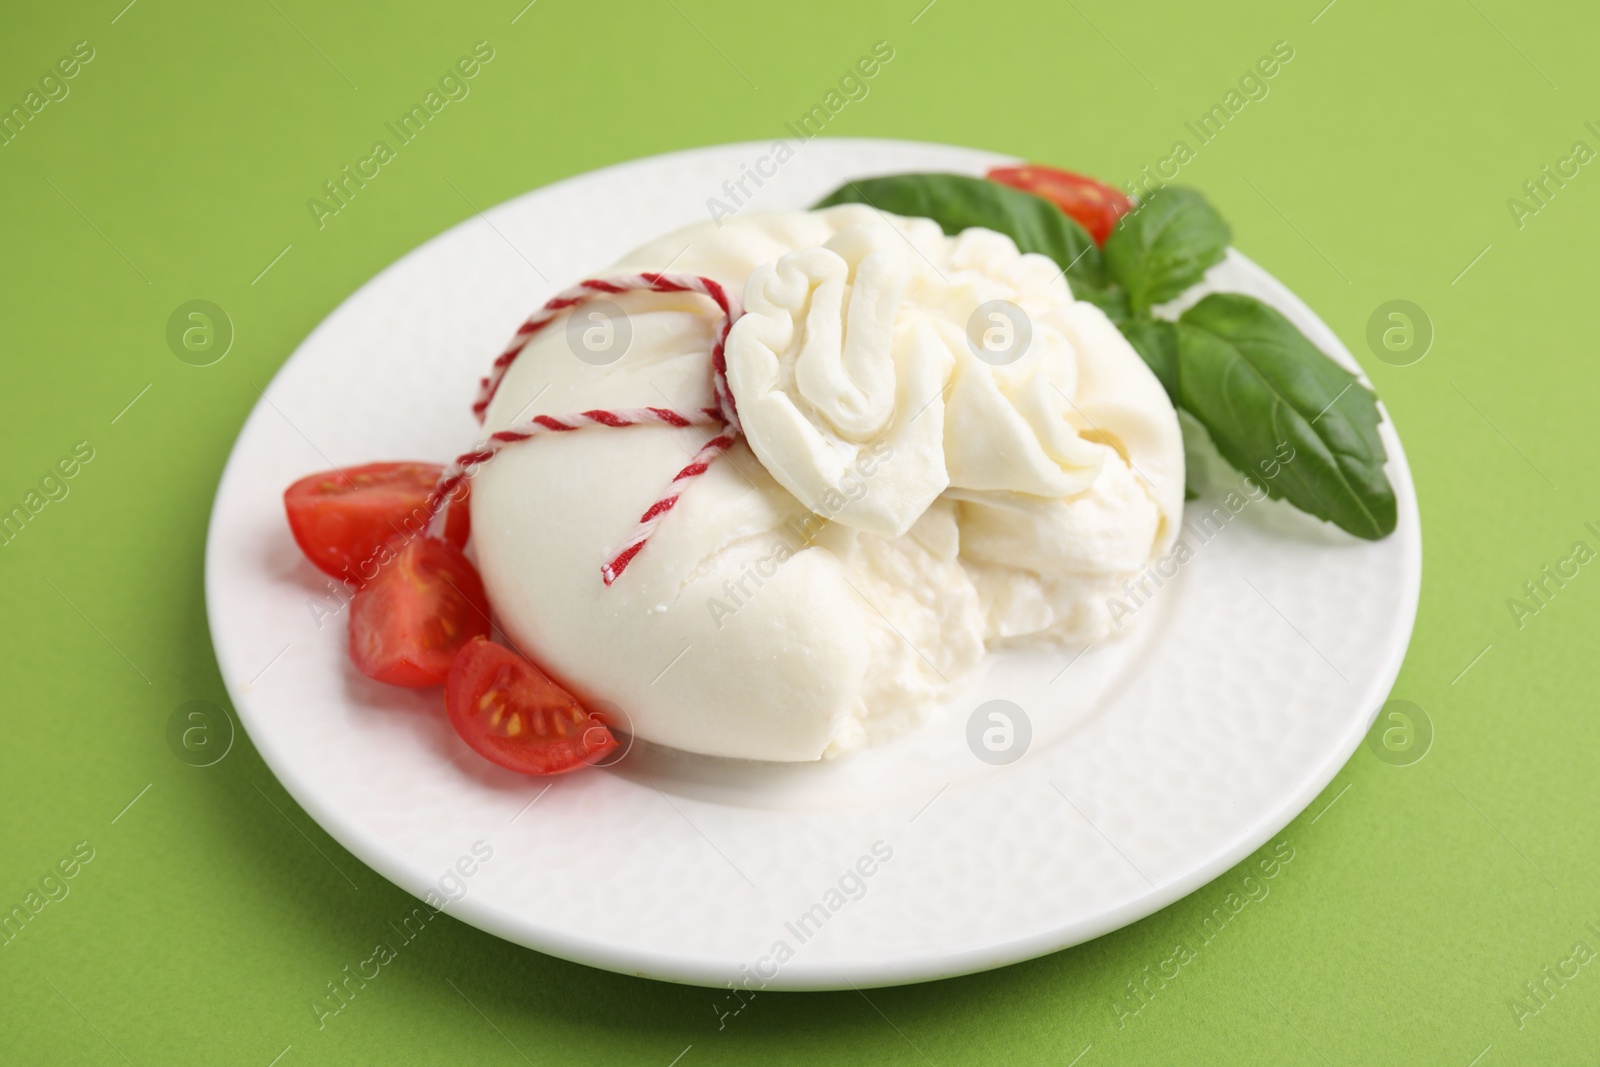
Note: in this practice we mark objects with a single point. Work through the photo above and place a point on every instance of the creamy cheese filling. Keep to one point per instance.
(943, 451)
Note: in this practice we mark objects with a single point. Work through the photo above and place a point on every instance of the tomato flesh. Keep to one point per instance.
(1094, 205)
(408, 623)
(511, 714)
(341, 519)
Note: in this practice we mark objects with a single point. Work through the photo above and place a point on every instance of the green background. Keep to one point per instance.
(1420, 897)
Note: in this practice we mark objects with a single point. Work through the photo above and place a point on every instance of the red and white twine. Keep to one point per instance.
(724, 415)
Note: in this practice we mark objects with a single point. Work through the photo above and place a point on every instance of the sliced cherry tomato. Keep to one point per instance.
(511, 714)
(407, 624)
(1095, 205)
(340, 519)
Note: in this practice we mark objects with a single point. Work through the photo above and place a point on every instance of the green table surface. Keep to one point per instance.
(1442, 912)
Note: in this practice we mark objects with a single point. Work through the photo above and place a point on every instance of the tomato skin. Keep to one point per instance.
(342, 518)
(1095, 205)
(425, 603)
(509, 713)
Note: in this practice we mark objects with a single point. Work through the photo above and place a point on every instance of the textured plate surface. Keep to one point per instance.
(1156, 762)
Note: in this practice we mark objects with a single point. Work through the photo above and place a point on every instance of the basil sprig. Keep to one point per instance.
(1165, 246)
(1239, 367)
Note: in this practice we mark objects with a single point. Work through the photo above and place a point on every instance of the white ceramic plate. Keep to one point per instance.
(1156, 763)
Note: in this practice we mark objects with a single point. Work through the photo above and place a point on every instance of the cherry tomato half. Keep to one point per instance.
(511, 714)
(340, 519)
(1095, 205)
(407, 624)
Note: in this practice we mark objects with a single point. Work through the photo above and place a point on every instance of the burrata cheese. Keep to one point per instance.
(942, 452)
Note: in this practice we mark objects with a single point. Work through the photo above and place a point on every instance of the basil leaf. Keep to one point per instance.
(1278, 408)
(1156, 341)
(1165, 245)
(958, 202)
